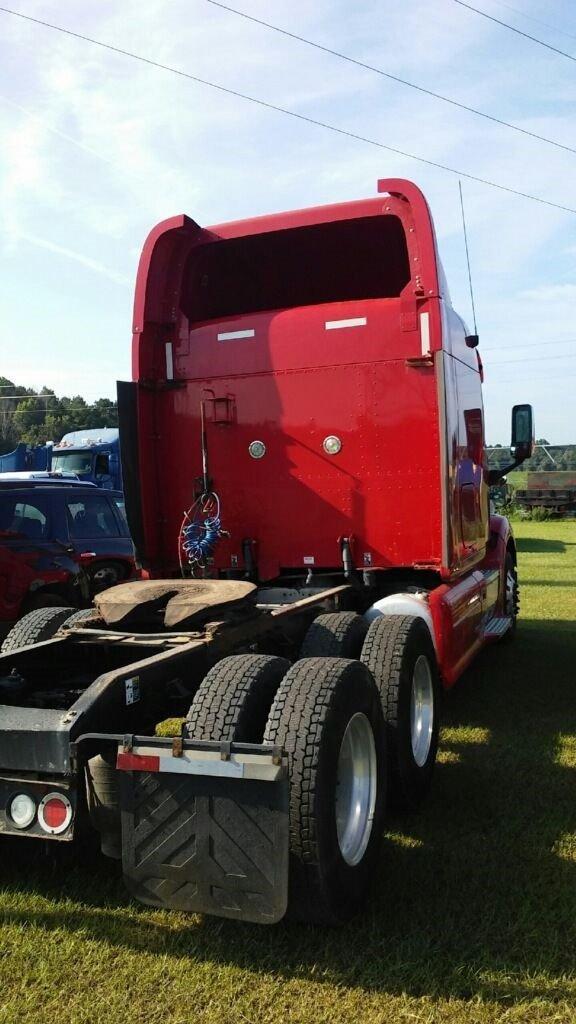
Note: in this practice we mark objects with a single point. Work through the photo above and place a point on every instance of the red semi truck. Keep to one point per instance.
(303, 459)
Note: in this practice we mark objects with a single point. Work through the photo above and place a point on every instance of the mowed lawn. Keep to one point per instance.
(472, 916)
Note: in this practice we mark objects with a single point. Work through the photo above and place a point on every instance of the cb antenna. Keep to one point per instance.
(468, 261)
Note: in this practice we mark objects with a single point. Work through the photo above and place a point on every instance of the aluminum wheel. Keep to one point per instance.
(356, 784)
(421, 711)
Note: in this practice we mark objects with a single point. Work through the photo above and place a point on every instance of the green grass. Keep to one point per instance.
(472, 917)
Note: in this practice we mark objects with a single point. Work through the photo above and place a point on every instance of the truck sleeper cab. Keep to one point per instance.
(303, 462)
(93, 455)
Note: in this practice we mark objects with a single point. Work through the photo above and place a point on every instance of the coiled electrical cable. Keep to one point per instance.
(200, 532)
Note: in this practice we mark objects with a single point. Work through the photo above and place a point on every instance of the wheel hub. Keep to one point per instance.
(356, 785)
(421, 711)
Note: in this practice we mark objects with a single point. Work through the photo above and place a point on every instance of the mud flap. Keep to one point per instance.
(206, 843)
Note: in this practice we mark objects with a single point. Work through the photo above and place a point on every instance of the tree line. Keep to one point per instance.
(39, 416)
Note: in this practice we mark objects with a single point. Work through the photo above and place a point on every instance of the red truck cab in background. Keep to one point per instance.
(317, 356)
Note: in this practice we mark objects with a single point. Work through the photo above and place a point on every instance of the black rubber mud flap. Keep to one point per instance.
(208, 845)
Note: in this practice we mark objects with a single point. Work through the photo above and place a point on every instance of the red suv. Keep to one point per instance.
(61, 541)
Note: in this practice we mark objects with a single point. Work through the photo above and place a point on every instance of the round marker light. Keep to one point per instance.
(54, 813)
(332, 444)
(257, 449)
(22, 810)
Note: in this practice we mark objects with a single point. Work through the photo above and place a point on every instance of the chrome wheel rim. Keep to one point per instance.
(356, 785)
(108, 576)
(421, 711)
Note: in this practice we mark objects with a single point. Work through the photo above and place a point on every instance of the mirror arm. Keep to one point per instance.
(493, 476)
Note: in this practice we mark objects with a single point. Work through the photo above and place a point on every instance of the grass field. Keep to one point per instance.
(472, 917)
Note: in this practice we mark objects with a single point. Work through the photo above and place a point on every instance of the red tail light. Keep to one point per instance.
(54, 813)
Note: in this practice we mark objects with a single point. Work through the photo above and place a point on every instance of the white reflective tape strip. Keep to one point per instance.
(206, 762)
(187, 766)
(169, 361)
(425, 333)
(234, 335)
(334, 325)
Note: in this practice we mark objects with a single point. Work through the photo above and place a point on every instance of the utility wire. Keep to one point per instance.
(527, 344)
(531, 359)
(537, 21)
(26, 398)
(533, 379)
(386, 74)
(512, 28)
(290, 113)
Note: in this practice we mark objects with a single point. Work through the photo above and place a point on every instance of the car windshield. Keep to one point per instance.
(73, 462)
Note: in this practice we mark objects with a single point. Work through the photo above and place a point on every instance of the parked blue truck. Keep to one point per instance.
(26, 457)
(93, 455)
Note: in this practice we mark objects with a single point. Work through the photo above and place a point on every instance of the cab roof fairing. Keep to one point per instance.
(165, 251)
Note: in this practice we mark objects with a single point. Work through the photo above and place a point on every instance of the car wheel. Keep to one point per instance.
(103, 575)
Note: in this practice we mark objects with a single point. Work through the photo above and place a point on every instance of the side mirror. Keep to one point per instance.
(522, 432)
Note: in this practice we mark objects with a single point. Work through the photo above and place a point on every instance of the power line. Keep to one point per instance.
(528, 344)
(290, 113)
(532, 359)
(532, 379)
(49, 398)
(537, 21)
(518, 31)
(386, 74)
(48, 409)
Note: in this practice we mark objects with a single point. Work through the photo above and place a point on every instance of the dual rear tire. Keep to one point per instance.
(357, 717)
(400, 655)
(326, 715)
(42, 624)
(399, 652)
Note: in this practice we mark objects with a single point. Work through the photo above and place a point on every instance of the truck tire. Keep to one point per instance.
(511, 597)
(233, 700)
(399, 652)
(335, 635)
(80, 615)
(35, 627)
(328, 719)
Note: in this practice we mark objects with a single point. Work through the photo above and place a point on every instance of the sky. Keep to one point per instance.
(96, 148)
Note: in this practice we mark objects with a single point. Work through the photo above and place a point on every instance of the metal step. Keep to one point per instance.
(496, 627)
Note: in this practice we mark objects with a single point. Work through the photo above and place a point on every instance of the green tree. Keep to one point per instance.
(38, 416)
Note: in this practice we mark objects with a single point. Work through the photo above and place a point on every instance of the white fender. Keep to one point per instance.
(404, 604)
